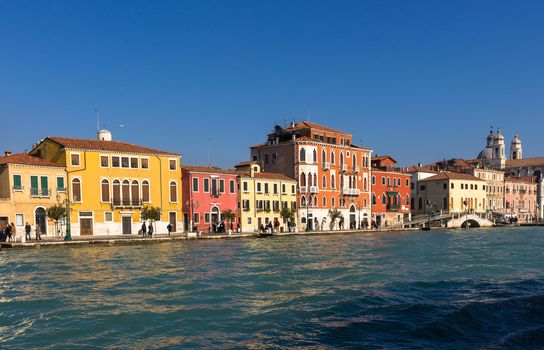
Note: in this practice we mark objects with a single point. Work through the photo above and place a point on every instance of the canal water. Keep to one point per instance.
(475, 289)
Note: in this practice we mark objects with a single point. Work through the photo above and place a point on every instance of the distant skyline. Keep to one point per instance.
(418, 80)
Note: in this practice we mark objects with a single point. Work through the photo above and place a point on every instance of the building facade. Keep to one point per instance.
(332, 172)
(28, 186)
(209, 193)
(109, 182)
(452, 192)
(521, 197)
(391, 194)
(263, 196)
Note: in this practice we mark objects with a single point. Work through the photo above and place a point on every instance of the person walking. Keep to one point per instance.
(38, 232)
(144, 230)
(169, 228)
(28, 229)
(150, 230)
(13, 232)
(8, 232)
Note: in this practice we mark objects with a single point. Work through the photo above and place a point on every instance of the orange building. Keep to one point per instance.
(390, 193)
(332, 172)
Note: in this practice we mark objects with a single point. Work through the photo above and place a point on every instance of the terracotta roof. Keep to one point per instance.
(521, 179)
(310, 125)
(266, 176)
(420, 169)
(243, 164)
(446, 175)
(526, 162)
(26, 159)
(99, 145)
(385, 171)
(207, 169)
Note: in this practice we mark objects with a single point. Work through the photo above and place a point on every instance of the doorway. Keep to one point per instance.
(86, 226)
(215, 215)
(173, 220)
(186, 222)
(352, 218)
(40, 220)
(4, 220)
(127, 225)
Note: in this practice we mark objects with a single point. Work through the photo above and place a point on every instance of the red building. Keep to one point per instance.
(331, 170)
(208, 193)
(390, 193)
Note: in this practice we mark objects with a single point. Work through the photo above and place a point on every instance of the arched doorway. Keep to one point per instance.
(352, 218)
(214, 214)
(40, 219)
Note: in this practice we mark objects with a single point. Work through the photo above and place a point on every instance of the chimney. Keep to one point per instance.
(104, 135)
(7, 153)
(292, 124)
(419, 165)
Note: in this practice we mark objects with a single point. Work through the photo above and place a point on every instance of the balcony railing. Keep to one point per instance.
(314, 189)
(393, 207)
(127, 203)
(344, 167)
(303, 189)
(351, 191)
(40, 192)
(326, 166)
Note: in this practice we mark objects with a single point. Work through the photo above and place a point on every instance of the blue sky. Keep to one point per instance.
(420, 80)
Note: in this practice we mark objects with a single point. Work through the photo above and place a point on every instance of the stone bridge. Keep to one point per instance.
(473, 221)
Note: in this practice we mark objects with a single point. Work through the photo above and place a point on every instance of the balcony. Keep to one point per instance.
(303, 189)
(351, 191)
(326, 166)
(40, 192)
(356, 169)
(314, 189)
(344, 167)
(393, 207)
(126, 203)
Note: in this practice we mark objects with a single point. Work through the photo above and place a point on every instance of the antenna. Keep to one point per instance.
(97, 119)
(209, 152)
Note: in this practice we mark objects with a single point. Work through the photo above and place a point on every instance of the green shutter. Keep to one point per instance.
(17, 182)
(222, 186)
(60, 184)
(45, 186)
(34, 185)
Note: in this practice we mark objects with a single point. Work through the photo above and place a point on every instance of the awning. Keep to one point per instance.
(392, 194)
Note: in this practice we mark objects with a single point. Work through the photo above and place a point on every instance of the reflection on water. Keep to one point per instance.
(451, 289)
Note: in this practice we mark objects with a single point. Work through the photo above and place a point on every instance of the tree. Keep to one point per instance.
(55, 213)
(151, 213)
(230, 216)
(334, 214)
(287, 214)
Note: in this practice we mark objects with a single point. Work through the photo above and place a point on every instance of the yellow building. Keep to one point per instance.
(449, 191)
(109, 182)
(28, 186)
(262, 197)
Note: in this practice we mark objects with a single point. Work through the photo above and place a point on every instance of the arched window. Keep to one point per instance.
(350, 184)
(333, 182)
(384, 199)
(310, 179)
(302, 156)
(341, 181)
(105, 185)
(135, 192)
(145, 191)
(324, 202)
(323, 156)
(407, 202)
(116, 187)
(324, 182)
(373, 199)
(315, 179)
(125, 192)
(315, 201)
(354, 161)
(332, 158)
(302, 201)
(365, 184)
(365, 203)
(303, 179)
(412, 203)
(332, 202)
(76, 190)
(173, 192)
(315, 156)
(341, 158)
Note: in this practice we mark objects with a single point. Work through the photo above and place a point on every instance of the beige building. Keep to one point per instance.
(494, 187)
(28, 186)
(262, 196)
(452, 192)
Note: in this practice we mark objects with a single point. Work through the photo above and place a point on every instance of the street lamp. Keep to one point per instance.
(465, 203)
(66, 202)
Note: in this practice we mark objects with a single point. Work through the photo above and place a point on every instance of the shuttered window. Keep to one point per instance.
(17, 185)
(60, 184)
(76, 190)
(34, 185)
(45, 186)
(105, 191)
(173, 192)
(145, 191)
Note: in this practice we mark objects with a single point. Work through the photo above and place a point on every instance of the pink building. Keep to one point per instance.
(208, 193)
(520, 197)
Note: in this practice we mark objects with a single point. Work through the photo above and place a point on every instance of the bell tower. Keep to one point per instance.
(516, 151)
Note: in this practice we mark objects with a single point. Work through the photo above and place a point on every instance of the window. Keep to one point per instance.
(196, 218)
(76, 190)
(104, 161)
(302, 156)
(108, 216)
(333, 201)
(17, 185)
(265, 188)
(207, 218)
(115, 162)
(332, 158)
(373, 180)
(172, 164)
(383, 180)
(259, 190)
(302, 201)
(135, 192)
(245, 204)
(445, 186)
(283, 189)
(144, 163)
(60, 184)
(125, 191)
(124, 162)
(45, 186)
(422, 188)
(214, 187)
(266, 159)
(221, 186)
(74, 159)
(207, 185)
(19, 220)
(293, 189)
(323, 156)
(134, 163)
(315, 156)
(34, 191)
(244, 186)
(384, 199)
(105, 186)
(195, 184)
(116, 191)
(452, 186)
(145, 191)
(276, 206)
(333, 182)
(407, 201)
(324, 201)
(231, 186)
(275, 188)
(173, 192)
(407, 183)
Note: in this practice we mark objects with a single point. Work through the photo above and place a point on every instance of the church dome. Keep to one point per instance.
(516, 140)
(499, 135)
(486, 153)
